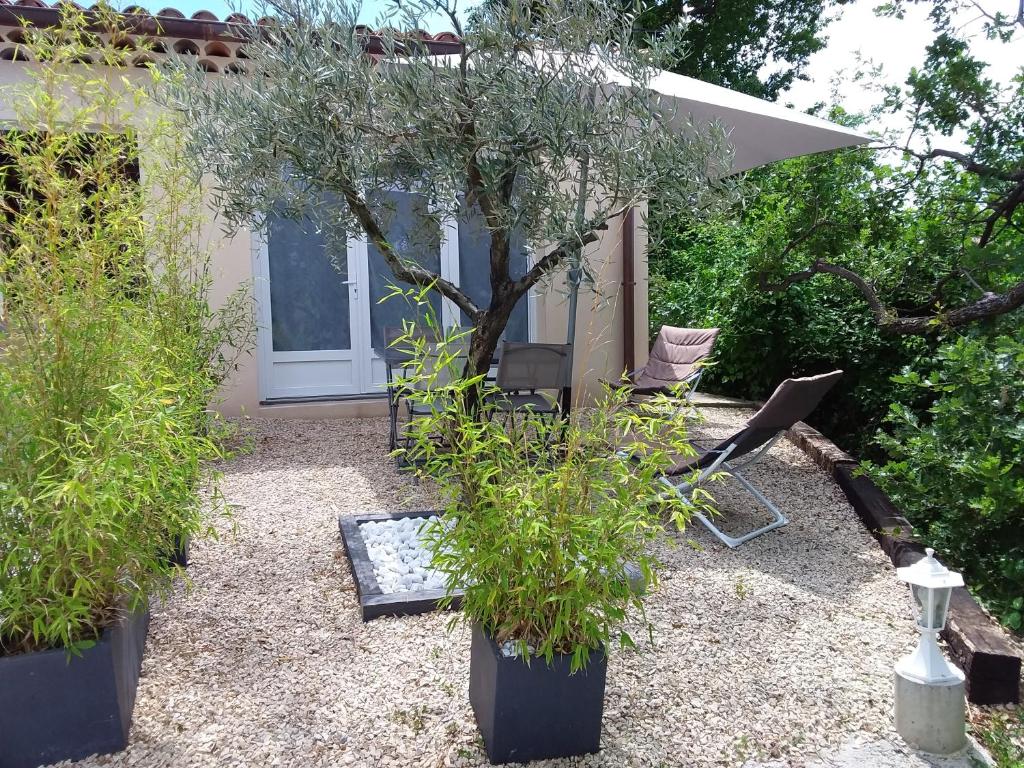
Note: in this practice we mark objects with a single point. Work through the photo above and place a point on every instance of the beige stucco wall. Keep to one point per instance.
(599, 350)
(599, 343)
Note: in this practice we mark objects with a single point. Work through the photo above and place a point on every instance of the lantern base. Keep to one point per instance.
(931, 717)
(927, 663)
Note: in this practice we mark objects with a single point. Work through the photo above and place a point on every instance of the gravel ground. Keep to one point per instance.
(780, 651)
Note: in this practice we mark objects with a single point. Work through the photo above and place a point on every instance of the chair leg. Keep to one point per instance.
(393, 423)
(732, 542)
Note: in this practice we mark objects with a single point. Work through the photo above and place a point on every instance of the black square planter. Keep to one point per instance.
(179, 554)
(536, 711)
(58, 707)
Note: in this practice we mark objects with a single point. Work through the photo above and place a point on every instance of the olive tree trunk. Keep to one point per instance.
(487, 330)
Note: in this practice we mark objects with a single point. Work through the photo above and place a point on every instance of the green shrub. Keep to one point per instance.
(541, 519)
(957, 467)
(703, 275)
(109, 351)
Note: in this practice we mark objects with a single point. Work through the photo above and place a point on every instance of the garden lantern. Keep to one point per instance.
(931, 585)
(930, 705)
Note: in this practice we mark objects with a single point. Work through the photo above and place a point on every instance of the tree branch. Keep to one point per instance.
(1002, 209)
(407, 271)
(552, 259)
(988, 306)
(965, 161)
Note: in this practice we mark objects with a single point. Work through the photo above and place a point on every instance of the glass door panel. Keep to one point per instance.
(309, 298)
(416, 237)
(310, 313)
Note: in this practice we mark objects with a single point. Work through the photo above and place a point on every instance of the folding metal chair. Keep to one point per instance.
(525, 368)
(793, 401)
(398, 360)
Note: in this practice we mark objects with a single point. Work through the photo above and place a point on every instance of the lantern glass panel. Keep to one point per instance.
(930, 606)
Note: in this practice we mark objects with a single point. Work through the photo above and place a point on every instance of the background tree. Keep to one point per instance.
(520, 124)
(979, 189)
(758, 47)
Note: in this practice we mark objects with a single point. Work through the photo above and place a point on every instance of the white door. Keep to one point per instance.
(309, 313)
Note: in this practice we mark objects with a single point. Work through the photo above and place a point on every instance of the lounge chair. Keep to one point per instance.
(677, 357)
(793, 401)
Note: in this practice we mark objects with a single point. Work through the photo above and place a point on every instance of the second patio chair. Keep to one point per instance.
(399, 359)
(793, 401)
(524, 370)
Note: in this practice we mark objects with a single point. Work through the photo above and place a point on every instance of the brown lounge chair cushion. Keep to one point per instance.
(675, 355)
(792, 401)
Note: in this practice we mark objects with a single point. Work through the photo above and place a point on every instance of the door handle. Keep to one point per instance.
(354, 284)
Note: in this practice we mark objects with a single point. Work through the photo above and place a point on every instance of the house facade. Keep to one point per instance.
(320, 321)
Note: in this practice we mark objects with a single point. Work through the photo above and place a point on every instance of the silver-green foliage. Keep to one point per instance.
(543, 119)
(109, 350)
(542, 517)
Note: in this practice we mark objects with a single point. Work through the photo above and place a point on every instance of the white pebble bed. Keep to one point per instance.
(401, 560)
(776, 653)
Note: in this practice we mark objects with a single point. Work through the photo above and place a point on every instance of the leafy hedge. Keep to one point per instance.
(702, 277)
(957, 467)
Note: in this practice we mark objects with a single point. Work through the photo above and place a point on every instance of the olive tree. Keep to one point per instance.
(541, 121)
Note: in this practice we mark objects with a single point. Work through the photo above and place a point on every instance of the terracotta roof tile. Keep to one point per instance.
(219, 42)
(210, 17)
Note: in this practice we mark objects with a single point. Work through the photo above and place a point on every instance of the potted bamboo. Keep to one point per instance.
(541, 519)
(106, 374)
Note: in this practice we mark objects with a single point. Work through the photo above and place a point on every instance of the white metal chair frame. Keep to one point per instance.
(792, 401)
(722, 463)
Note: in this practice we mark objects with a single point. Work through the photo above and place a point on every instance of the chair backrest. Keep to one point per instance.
(399, 356)
(524, 365)
(397, 353)
(792, 401)
(675, 356)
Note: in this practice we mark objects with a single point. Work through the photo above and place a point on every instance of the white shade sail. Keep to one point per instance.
(760, 131)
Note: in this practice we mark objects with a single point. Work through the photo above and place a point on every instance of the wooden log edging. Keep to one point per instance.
(979, 646)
